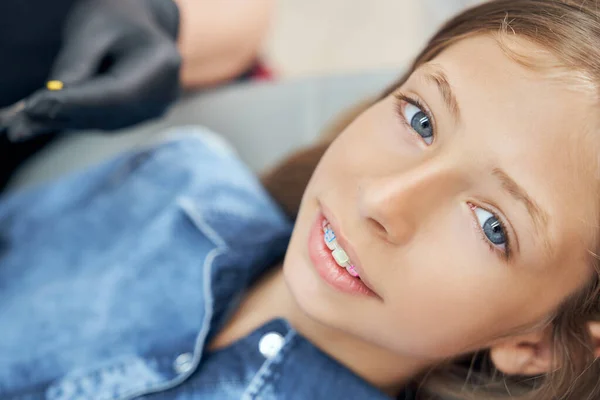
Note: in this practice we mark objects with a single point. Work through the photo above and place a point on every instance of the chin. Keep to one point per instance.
(312, 296)
(302, 280)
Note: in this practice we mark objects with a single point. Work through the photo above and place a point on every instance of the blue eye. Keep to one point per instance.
(419, 121)
(492, 228)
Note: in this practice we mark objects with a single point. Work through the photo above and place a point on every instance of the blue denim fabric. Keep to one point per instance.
(112, 281)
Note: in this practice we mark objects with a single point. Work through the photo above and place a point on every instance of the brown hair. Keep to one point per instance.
(568, 34)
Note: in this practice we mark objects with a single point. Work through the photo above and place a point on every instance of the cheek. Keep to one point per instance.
(445, 294)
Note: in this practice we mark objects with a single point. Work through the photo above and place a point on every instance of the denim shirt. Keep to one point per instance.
(113, 280)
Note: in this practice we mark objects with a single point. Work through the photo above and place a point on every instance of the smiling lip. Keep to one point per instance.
(327, 268)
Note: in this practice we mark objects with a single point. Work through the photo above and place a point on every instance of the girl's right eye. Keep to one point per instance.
(416, 118)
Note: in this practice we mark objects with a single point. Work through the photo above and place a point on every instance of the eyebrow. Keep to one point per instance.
(439, 78)
(538, 215)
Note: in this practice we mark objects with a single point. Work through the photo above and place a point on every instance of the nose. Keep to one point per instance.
(397, 204)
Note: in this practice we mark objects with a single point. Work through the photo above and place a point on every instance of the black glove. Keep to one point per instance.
(119, 64)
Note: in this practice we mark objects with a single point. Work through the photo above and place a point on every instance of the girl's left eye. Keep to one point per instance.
(493, 229)
(419, 121)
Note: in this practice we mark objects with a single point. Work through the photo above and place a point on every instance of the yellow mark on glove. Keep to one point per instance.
(55, 85)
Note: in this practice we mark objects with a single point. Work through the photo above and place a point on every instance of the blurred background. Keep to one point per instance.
(284, 68)
(315, 37)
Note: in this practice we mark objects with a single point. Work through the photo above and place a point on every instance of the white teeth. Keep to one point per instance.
(329, 237)
(351, 270)
(339, 255)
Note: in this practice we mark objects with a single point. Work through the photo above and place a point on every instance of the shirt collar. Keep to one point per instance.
(303, 369)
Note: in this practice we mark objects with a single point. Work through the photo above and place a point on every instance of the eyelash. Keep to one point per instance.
(404, 98)
(506, 254)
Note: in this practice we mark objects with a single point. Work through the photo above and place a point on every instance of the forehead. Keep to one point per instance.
(539, 129)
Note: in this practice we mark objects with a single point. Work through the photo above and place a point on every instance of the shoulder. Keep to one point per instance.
(189, 168)
(217, 186)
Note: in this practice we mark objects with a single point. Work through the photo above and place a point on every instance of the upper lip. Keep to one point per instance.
(339, 234)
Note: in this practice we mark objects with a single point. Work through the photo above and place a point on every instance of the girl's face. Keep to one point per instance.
(466, 201)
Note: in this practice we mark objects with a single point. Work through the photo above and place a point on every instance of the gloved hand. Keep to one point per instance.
(119, 65)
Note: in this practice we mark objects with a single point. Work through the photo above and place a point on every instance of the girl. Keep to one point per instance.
(444, 247)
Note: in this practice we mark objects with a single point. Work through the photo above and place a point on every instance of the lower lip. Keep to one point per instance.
(334, 275)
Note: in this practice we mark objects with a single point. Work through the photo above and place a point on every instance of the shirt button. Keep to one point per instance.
(270, 344)
(183, 363)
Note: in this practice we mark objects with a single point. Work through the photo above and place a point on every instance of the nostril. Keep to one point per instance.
(378, 228)
(400, 232)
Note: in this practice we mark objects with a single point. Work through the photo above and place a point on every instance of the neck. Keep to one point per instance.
(378, 366)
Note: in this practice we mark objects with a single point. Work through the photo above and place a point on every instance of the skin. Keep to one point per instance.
(220, 39)
(404, 206)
